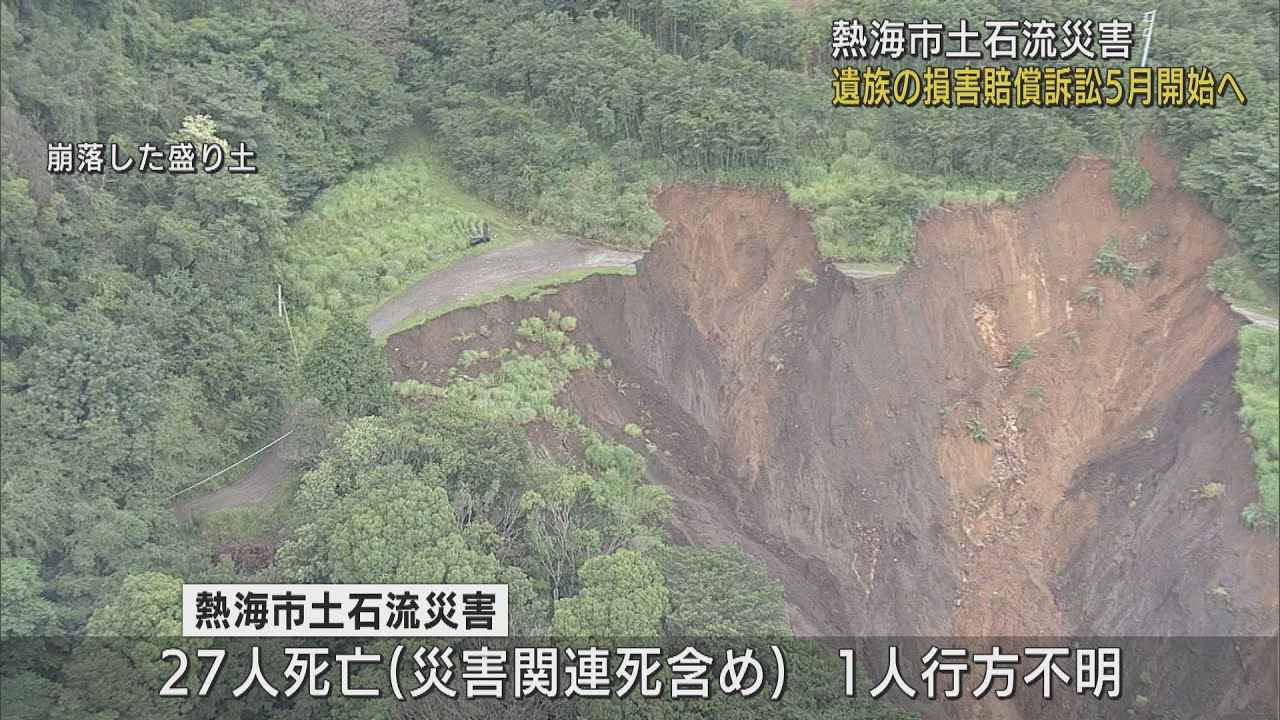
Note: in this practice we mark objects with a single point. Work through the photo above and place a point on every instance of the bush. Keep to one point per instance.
(1109, 261)
(345, 370)
(1256, 382)
(417, 390)
(1256, 518)
(863, 209)
(1021, 355)
(1232, 276)
(977, 430)
(591, 202)
(1130, 183)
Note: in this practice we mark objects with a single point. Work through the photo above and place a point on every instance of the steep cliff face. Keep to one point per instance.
(995, 440)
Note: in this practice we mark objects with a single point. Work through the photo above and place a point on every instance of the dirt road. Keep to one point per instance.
(503, 268)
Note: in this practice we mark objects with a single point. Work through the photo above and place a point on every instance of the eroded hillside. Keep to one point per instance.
(995, 440)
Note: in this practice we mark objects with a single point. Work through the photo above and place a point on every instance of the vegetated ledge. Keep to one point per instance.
(827, 424)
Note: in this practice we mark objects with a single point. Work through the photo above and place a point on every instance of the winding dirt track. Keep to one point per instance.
(503, 268)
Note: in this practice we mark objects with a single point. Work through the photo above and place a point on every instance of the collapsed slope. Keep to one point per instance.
(993, 441)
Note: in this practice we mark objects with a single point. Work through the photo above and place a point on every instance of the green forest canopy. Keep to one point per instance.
(1258, 384)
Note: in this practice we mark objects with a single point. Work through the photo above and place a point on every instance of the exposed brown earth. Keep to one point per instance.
(834, 429)
(494, 271)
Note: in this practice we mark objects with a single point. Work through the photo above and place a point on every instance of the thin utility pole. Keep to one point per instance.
(1149, 18)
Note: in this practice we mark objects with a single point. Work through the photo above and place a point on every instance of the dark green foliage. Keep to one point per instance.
(1130, 183)
(313, 101)
(539, 123)
(720, 592)
(1232, 152)
(26, 695)
(1238, 171)
(623, 596)
(450, 495)
(865, 207)
(566, 138)
(24, 611)
(1233, 276)
(138, 352)
(345, 370)
(1022, 150)
(476, 458)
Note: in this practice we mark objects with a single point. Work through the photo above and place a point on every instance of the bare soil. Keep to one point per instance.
(871, 441)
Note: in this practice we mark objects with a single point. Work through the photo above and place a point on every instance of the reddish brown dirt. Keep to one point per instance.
(828, 428)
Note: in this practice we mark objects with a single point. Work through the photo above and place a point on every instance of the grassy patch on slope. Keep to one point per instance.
(379, 231)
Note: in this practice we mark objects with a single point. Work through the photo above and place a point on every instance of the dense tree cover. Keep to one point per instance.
(622, 595)
(631, 93)
(138, 348)
(1232, 153)
(312, 101)
(454, 492)
(24, 611)
(447, 494)
(717, 592)
(538, 111)
(345, 370)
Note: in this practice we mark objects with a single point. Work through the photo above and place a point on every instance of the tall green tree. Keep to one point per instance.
(720, 593)
(376, 509)
(623, 596)
(24, 611)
